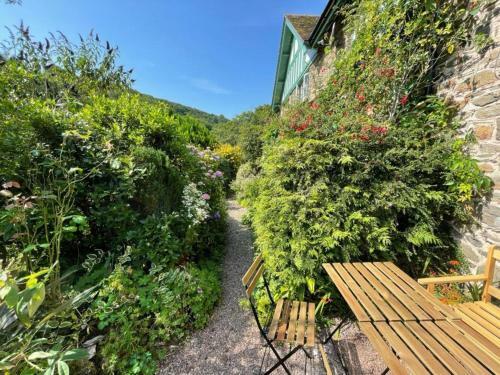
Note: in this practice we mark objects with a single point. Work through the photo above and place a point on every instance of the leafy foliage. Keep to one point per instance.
(374, 168)
(108, 190)
(246, 131)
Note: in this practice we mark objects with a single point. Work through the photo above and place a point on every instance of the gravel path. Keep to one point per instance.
(231, 344)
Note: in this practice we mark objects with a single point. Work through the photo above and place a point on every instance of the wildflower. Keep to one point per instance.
(314, 105)
(382, 130)
(205, 196)
(386, 72)
(369, 110)
(216, 215)
(360, 94)
(378, 51)
(219, 174)
(454, 263)
(404, 100)
(364, 138)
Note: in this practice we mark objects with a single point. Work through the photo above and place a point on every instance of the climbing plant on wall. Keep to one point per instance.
(374, 168)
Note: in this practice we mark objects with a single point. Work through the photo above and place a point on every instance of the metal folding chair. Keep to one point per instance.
(293, 322)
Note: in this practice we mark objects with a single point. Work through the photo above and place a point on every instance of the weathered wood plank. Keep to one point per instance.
(349, 297)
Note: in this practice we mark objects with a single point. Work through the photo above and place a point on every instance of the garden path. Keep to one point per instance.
(231, 344)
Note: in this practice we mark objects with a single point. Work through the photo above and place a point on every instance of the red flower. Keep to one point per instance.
(454, 263)
(360, 96)
(382, 130)
(364, 138)
(314, 105)
(404, 100)
(386, 72)
(303, 126)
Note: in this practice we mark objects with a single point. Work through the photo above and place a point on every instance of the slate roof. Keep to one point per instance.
(304, 25)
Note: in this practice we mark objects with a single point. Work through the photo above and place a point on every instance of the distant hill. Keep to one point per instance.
(208, 119)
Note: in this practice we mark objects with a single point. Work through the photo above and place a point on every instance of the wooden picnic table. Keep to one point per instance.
(412, 330)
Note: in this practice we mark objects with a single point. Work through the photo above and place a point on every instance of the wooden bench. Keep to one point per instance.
(293, 322)
(482, 316)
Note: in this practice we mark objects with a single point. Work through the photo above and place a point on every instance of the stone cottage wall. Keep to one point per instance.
(321, 69)
(472, 81)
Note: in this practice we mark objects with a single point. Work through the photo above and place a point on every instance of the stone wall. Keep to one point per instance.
(472, 81)
(321, 69)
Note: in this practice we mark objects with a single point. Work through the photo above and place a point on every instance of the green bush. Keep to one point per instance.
(89, 168)
(139, 310)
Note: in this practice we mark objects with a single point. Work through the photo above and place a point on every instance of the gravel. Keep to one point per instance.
(231, 343)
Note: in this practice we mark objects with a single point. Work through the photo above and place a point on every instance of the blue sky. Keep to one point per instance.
(215, 55)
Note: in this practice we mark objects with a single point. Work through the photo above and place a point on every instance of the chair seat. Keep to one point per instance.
(483, 317)
(293, 322)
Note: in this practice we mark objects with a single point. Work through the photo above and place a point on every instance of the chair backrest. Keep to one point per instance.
(252, 276)
(489, 289)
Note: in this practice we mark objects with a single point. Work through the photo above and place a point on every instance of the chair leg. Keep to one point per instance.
(281, 361)
(307, 353)
(334, 331)
(385, 371)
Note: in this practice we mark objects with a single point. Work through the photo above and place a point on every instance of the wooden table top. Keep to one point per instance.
(380, 291)
(412, 330)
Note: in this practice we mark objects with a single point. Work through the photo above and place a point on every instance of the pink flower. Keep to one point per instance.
(314, 105)
(404, 100)
(205, 197)
(219, 174)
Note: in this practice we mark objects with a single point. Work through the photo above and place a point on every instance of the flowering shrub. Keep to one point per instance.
(89, 168)
(373, 168)
(195, 204)
(232, 156)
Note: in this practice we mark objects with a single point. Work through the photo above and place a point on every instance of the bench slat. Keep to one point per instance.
(462, 355)
(351, 300)
(471, 348)
(382, 348)
(403, 351)
(374, 312)
(399, 293)
(423, 354)
(386, 294)
(439, 351)
(310, 324)
(276, 318)
(301, 325)
(377, 299)
(294, 314)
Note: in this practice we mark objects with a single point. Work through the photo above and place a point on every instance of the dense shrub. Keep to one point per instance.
(247, 131)
(143, 309)
(374, 168)
(103, 188)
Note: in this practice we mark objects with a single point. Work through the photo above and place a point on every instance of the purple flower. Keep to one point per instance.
(216, 215)
(219, 174)
(205, 196)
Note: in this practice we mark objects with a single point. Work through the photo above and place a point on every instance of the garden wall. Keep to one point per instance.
(472, 80)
